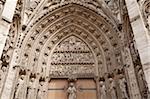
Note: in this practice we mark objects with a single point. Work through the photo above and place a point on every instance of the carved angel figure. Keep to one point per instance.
(72, 91)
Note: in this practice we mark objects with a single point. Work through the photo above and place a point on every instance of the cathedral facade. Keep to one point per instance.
(74, 49)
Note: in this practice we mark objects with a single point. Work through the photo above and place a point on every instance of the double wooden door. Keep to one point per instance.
(86, 89)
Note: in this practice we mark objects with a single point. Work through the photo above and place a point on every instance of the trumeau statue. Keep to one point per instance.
(72, 91)
(103, 94)
(112, 89)
(20, 88)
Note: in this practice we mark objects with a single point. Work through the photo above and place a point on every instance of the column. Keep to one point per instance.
(141, 35)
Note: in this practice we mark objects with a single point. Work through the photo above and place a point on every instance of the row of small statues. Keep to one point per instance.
(112, 89)
(103, 91)
(34, 89)
(37, 89)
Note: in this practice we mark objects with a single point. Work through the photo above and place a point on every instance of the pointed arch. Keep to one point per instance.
(43, 36)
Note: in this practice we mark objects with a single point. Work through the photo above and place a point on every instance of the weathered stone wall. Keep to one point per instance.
(141, 35)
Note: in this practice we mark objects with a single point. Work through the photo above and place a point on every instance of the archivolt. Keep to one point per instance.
(43, 36)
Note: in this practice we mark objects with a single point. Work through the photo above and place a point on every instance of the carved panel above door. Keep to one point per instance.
(72, 56)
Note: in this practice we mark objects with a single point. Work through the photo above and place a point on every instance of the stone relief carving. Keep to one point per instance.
(30, 6)
(66, 71)
(70, 21)
(72, 56)
(114, 6)
(8, 51)
(145, 7)
(52, 3)
(76, 51)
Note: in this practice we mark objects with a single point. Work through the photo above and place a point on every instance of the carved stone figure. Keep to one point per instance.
(3, 72)
(123, 88)
(1, 5)
(112, 89)
(20, 88)
(142, 81)
(72, 91)
(146, 13)
(42, 90)
(113, 6)
(103, 94)
(31, 94)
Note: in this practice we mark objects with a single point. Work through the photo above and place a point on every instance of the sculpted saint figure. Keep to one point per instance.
(42, 90)
(123, 87)
(20, 89)
(112, 89)
(2, 76)
(102, 90)
(31, 89)
(72, 91)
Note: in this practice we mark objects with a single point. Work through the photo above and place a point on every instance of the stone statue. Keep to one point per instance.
(3, 72)
(42, 90)
(112, 89)
(72, 91)
(1, 5)
(103, 94)
(20, 88)
(123, 88)
(142, 81)
(31, 94)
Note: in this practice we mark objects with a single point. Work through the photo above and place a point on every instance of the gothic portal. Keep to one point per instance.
(71, 49)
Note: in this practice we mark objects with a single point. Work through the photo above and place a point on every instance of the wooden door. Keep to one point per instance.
(86, 89)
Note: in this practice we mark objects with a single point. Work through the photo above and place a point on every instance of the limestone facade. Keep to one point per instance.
(107, 41)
